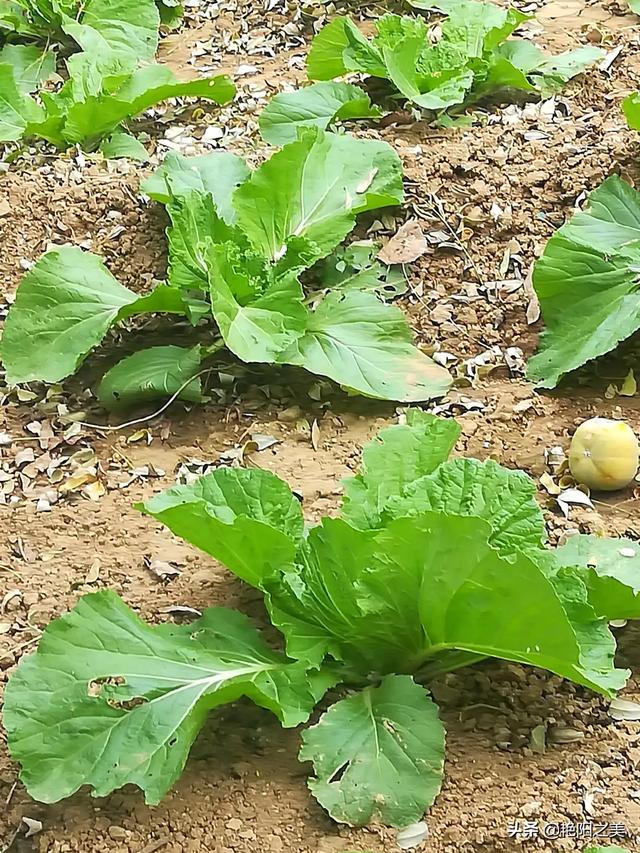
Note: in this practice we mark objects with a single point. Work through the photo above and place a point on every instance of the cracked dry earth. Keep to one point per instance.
(489, 195)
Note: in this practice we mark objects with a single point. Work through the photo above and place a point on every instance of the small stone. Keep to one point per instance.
(234, 824)
(117, 832)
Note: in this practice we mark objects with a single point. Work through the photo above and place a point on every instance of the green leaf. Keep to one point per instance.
(120, 26)
(586, 283)
(263, 329)
(171, 13)
(354, 267)
(631, 108)
(217, 174)
(607, 849)
(451, 85)
(313, 188)
(504, 498)
(247, 519)
(318, 105)
(551, 74)
(378, 754)
(108, 700)
(195, 224)
(98, 115)
(17, 108)
(397, 457)
(64, 307)
(366, 346)
(340, 47)
(121, 144)
(31, 65)
(613, 576)
(150, 374)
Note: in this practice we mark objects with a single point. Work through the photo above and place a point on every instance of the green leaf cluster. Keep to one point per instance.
(110, 81)
(587, 283)
(238, 243)
(53, 20)
(471, 57)
(433, 564)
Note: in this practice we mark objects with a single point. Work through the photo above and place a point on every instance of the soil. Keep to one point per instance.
(498, 189)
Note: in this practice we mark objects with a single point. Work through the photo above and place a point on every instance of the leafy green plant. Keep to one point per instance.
(631, 109)
(131, 25)
(586, 283)
(103, 90)
(238, 242)
(433, 565)
(470, 58)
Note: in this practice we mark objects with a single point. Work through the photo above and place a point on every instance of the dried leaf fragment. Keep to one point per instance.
(408, 244)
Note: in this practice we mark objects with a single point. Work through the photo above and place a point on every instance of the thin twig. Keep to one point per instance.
(136, 421)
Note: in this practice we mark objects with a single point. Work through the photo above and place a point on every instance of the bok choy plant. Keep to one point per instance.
(432, 565)
(238, 244)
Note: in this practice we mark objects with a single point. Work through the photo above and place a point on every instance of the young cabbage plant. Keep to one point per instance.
(103, 90)
(586, 283)
(129, 25)
(433, 565)
(238, 243)
(465, 58)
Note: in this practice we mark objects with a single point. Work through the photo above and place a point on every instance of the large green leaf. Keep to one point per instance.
(124, 27)
(17, 108)
(31, 65)
(269, 323)
(613, 573)
(195, 224)
(398, 456)
(247, 519)
(425, 588)
(313, 188)
(152, 373)
(98, 115)
(64, 307)
(378, 754)
(340, 47)
(504, 498)
(366, 346)
(318, 105)
(218, 174)
(122, 144)
(631, 109)
(108, 700)
(586, 282)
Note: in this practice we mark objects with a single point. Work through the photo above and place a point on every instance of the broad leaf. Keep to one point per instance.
(504, 498)
(426, 587)
(613, 576)
(340, 47)
(195, 224)
(551, 74)
(366, 346)
(31, 65)
(354, 267)
(121, 144)
(17, 108)
(631, 109)
(398, 456)
(269, 323)
(217, 174)
(378, 754)
(247, 519)
(99, 115)
(64, 307)
(586, 282)
(318, 105)
(312, 189)
(108, 700)
(151, 374)
(120, 26)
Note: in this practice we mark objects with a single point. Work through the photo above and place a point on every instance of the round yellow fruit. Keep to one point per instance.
(604, 454)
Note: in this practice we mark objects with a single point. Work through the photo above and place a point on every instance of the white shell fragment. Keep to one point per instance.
(412, 836)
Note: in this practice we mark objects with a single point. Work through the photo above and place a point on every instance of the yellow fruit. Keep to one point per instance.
(604, 454)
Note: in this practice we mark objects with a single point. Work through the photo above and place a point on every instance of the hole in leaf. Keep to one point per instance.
(339, 772)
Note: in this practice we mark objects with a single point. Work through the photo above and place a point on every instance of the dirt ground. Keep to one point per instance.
(490, 195)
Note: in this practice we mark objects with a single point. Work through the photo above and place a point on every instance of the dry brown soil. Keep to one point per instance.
(243, 790)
